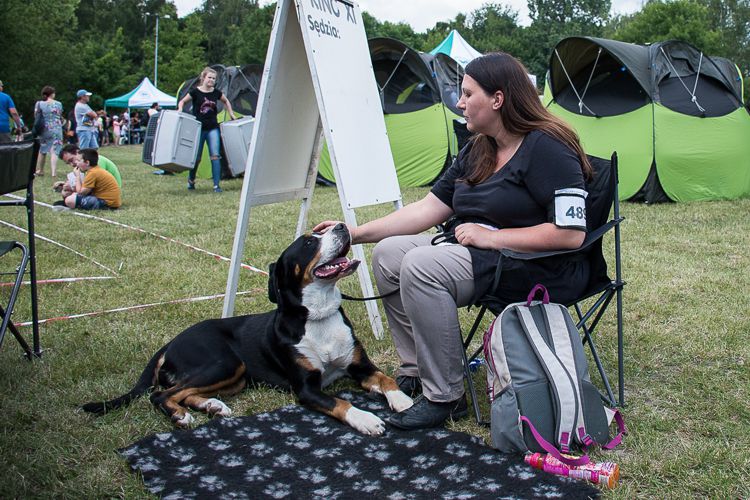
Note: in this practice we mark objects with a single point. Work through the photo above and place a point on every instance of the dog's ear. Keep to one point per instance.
(272, 296)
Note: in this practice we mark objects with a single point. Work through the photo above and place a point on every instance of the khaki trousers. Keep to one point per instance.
(423, 317)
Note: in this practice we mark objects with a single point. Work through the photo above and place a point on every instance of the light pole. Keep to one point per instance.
(156, 47)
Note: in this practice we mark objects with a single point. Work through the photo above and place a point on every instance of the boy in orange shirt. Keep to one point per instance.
(98, 189)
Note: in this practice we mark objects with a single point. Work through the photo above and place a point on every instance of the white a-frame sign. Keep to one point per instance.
(318, 81)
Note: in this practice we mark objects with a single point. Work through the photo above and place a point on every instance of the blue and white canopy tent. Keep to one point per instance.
(143, 96)
(458, 48)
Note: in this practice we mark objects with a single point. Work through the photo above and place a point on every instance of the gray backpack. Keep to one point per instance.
(538, 383)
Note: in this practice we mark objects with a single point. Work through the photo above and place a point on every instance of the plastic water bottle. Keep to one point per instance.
(474, 364)
(605, 473)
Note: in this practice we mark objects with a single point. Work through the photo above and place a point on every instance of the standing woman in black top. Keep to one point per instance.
(518, 184)
(206, 100)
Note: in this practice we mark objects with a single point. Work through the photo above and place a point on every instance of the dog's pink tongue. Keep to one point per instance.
(331, 268)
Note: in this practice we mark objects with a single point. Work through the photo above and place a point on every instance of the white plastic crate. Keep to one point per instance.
(176, 141)
(235, 136)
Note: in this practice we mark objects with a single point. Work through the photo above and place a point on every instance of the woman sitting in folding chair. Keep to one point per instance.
(518, 184)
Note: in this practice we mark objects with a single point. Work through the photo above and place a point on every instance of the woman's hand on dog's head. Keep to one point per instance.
(326, 225)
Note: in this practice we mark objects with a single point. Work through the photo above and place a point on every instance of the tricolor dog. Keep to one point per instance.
(303, 345)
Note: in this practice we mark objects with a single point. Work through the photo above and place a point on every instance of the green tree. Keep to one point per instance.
(553, 20)
(494, 27)
(105, 46)
(100, 19)
(437, 33)
(221, 22)
(675, 20)
(731, 18)
(371, 24)
(181, 51)
(249, 43)
(38, 49)
(399, 31)
(108, 71)
(560, 13)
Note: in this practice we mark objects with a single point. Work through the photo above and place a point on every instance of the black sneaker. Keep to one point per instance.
(411, 386)
(426, 414)
(59, 203)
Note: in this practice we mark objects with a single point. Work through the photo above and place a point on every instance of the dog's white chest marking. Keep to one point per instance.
(321, 300)
(327, 343)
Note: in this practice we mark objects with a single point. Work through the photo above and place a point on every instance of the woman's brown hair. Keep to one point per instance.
(521, 113)
(47, 91)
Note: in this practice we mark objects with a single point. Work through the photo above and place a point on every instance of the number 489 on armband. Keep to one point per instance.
(576, 212)
(570, 208)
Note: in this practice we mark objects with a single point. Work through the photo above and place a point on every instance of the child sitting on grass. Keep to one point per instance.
(98, 189)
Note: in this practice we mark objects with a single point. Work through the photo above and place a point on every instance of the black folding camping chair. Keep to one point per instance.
(603, 195)
(17, 165)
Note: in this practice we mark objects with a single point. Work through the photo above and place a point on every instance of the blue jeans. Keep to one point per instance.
(87, 139)
(90, 203)
(214, 150)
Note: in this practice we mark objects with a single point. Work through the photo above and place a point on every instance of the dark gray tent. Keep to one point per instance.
(674, 115)
(418, 94)
(409, 80)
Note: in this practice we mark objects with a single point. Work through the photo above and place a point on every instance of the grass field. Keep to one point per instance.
(687, 333)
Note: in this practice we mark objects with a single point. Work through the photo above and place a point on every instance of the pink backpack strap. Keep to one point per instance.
(583, 460)
(621, 431)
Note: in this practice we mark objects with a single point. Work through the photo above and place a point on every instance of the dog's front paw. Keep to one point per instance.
(365, 422)
(398, 401)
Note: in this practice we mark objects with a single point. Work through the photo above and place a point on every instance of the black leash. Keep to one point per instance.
(445, 235)
(363, 299)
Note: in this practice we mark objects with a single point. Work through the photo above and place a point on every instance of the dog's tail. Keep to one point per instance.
(144, 384)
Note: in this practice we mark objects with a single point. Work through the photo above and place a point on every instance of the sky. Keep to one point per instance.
(423, 14)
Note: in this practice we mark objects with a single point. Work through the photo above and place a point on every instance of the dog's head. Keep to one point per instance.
(317, 260)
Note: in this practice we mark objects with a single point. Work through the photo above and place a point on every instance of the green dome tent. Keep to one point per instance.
(674, 115)
(418, 95)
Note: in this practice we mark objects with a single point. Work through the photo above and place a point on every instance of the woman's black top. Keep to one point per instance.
(521, 194)
(206, 107)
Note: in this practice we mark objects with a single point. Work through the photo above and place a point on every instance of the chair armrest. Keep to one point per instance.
(590, 239)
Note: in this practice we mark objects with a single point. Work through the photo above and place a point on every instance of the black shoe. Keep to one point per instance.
(426, 414)
(411, 386)
(59, 203)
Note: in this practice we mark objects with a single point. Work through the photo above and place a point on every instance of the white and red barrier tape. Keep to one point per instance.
(63, 280)
(131, 308)
(150, 233)
(48, 240)
(128, 308)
